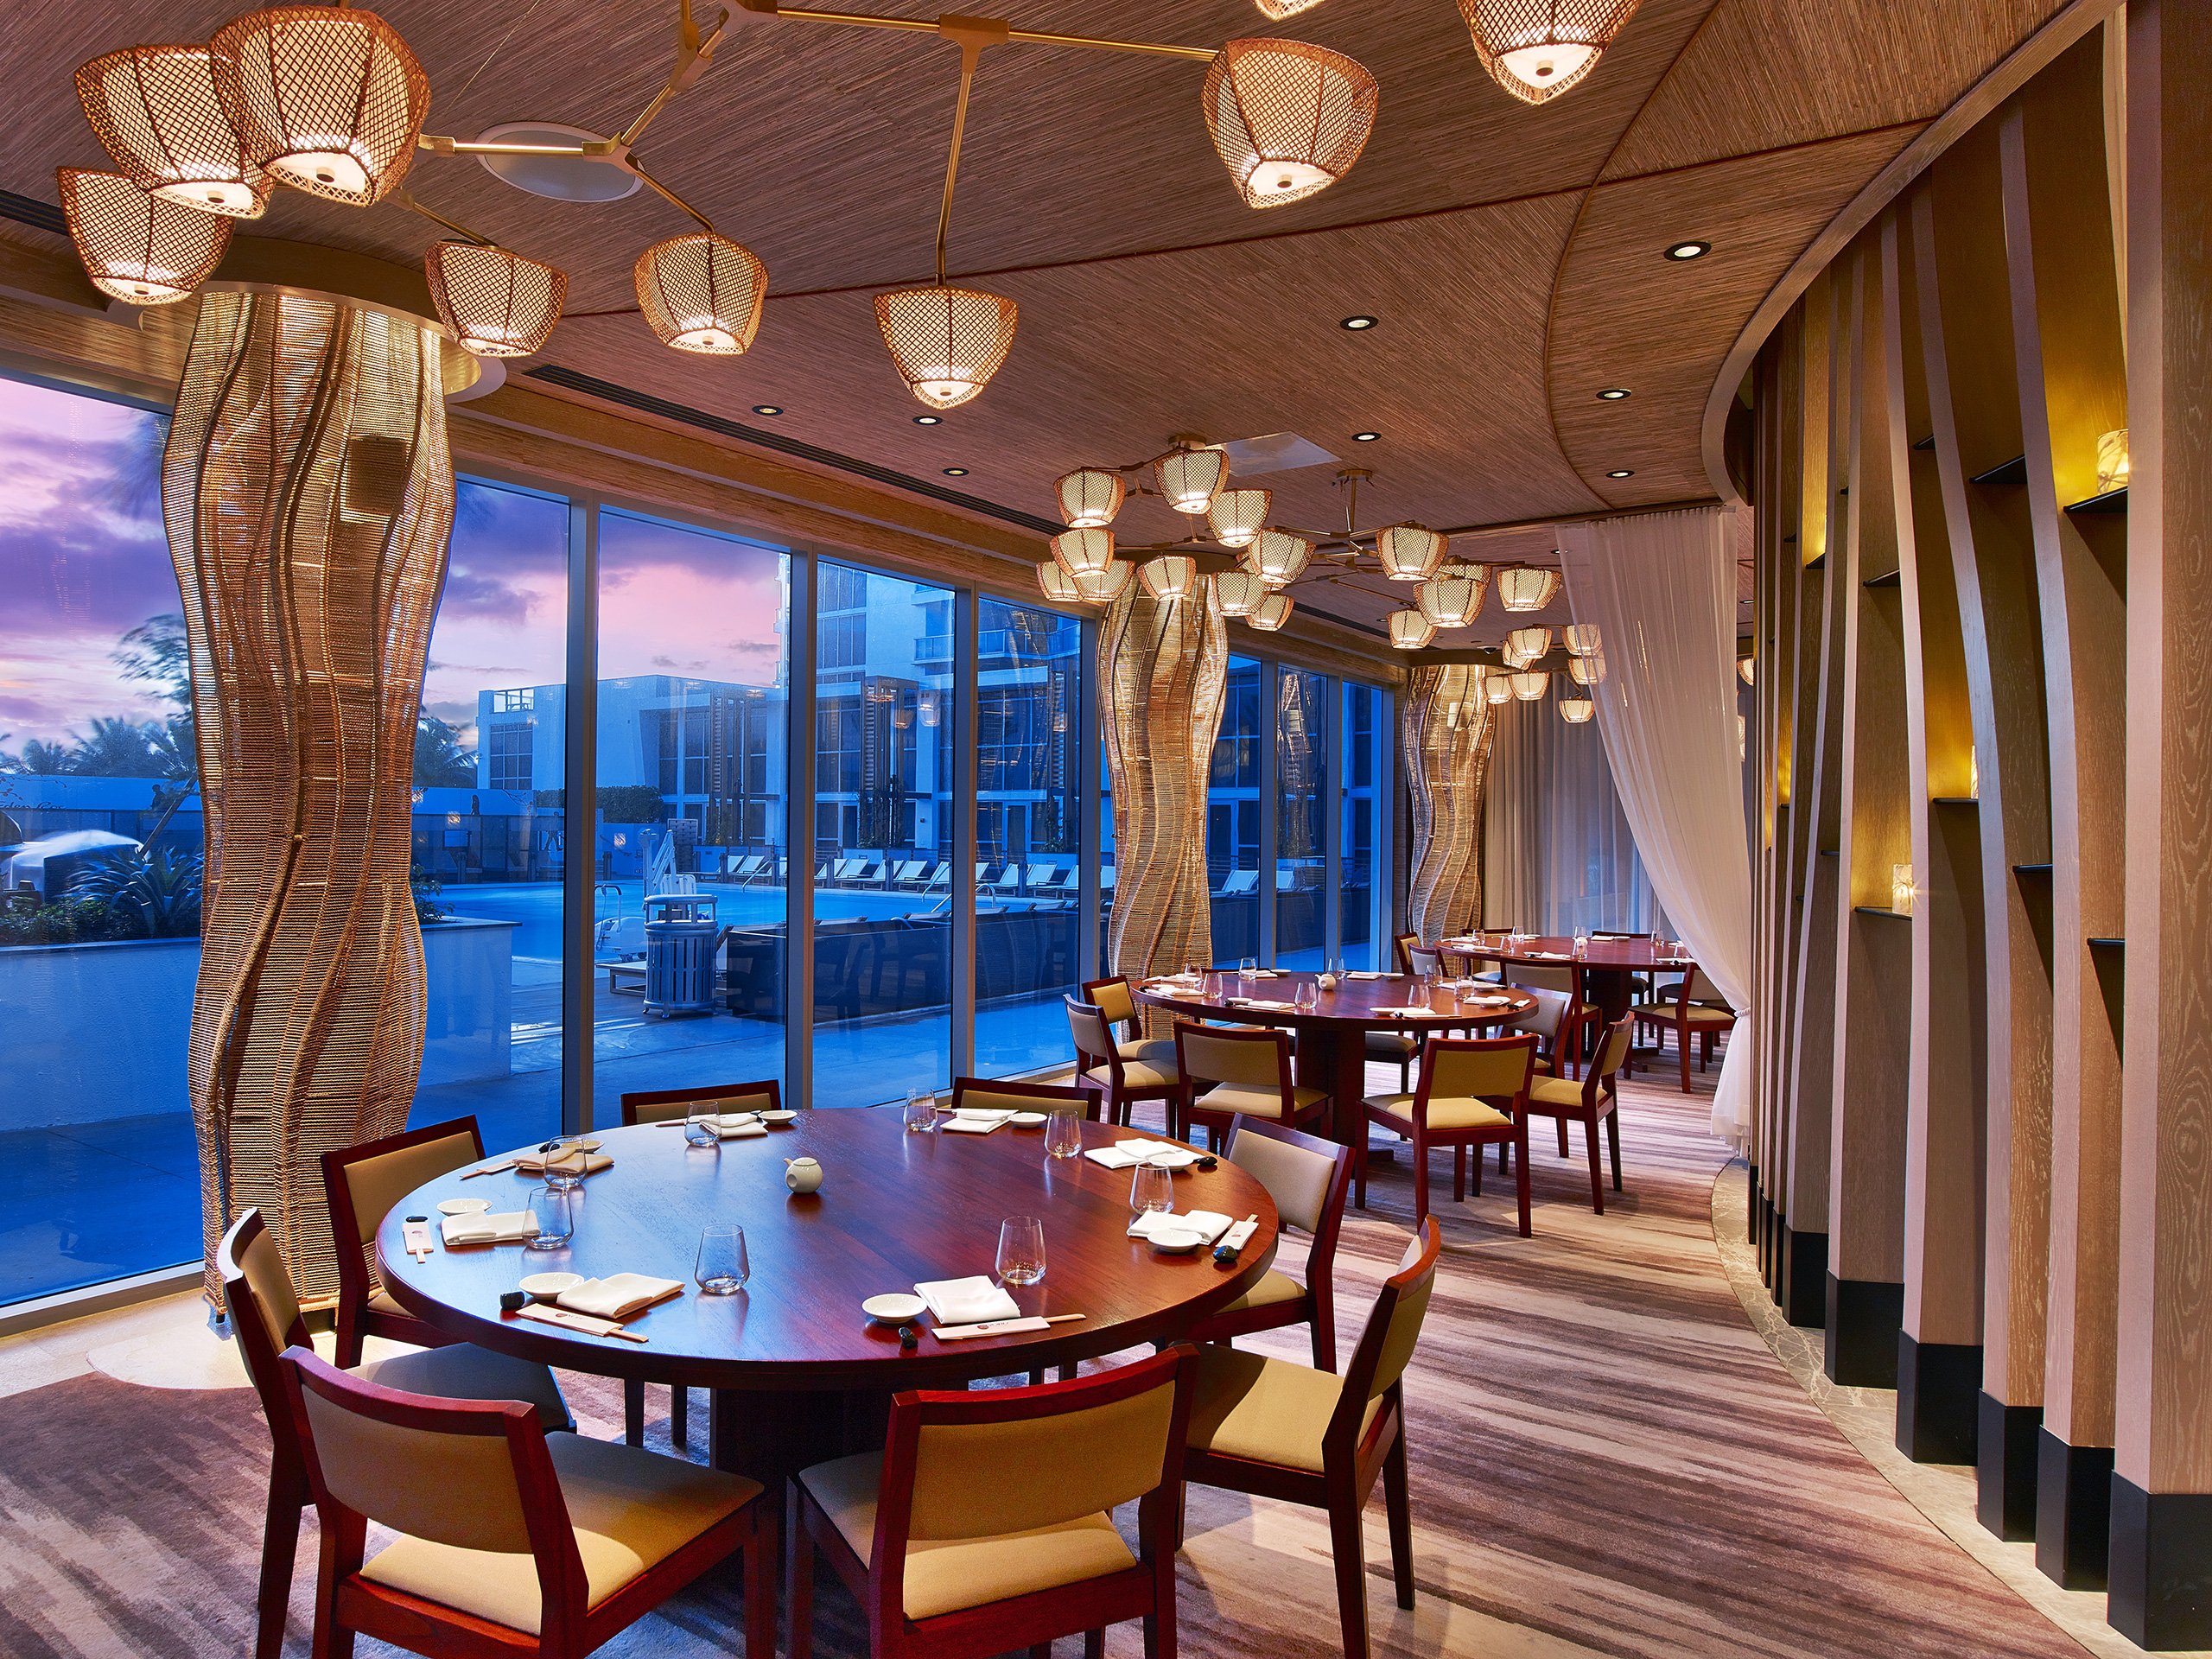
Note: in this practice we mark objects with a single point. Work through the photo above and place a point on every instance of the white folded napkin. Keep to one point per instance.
(1261, 973)
(966, 1301)
(1124, 1153)
(961, 1123)
(738, 1126)
(984, 1114)
(482, 1227)
(1261, 1003)
(1240, 1235)
(1548, 955)
(1212, 1222)
(619, 1295)
(533, 1162)
(1365, 973)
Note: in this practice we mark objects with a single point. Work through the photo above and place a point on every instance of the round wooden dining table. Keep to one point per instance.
(1332, 1051)
(1608, 967)
(799, 1373)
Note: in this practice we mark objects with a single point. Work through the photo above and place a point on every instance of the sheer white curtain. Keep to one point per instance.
(1662, 588)
(1558, 856)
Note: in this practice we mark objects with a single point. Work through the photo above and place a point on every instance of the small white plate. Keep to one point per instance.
(776, 1117)
(1177, 1241)
(463, 1207)
(1174, 1158)
(1026, 1120)
(544, 1287)
(894, 1309)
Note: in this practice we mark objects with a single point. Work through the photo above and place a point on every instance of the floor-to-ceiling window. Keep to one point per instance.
(1366, 728)
(1233, 814)
(686, 835)
(1301, 893)
(884, 836)
(1030, 760)
(489, 825)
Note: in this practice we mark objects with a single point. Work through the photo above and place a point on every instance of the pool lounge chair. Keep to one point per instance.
(1237, 883)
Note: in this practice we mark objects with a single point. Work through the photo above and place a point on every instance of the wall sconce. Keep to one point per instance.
(2112, 462)
(1901, 889)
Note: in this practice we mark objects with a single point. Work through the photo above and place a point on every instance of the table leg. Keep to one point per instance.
(1337, 1061)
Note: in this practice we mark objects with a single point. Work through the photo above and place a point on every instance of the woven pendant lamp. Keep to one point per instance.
(1576, 711)
(1526, 587)
(946, 342)
(1497, 686)
(1172, 577)
(1103, 587)
(496, 302)
(1538, 48)
(1580, 639)
(1082, 552)
(138, 246)
(1453, 597)
(1409, 552)
(1190, 478)
(1272, 612)
(1745, 670)
(701, 293)
(1277, 556)
(1529, 684)
(1236, 517)
(1088, 498)
(1056, 584)
(1288, 119)
(1276, 11)
(155, 109)
(1524, 645)
(1586, 671)
(1410, 630)
(1238, 593)
(326, 98)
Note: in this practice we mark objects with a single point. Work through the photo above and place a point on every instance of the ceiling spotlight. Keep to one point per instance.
(768, 409)
(1289, 118)
(1365, 437)
(1612, 394)
(956, 472)
(1357, 323)
(929, 420)
(1622, 471)
(1690, 250)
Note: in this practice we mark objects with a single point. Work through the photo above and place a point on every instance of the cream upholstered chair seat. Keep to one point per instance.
(1266, 1410)
(1556, 1092)
(1392, 1044)
(1445, 1113)
(1139, 1074)
(1156, 1052)
(1697, 1013)
(1255, 1101)
(630, 1509)
(943, 1576)
(1275, 1288)
(465, 1371)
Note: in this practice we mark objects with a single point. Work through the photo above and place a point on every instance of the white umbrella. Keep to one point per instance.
(28, 863)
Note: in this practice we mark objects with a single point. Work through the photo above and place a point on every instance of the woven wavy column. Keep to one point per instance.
(309, 491)
(1446, 738)
(1165, 670)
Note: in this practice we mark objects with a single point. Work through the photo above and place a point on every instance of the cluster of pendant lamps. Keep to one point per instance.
(1521, 681)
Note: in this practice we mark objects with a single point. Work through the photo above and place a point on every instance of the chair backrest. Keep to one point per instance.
(1532, 977)
(1257, 1059)
(1545, 1019)
(1386, 1345)
(264, 1311)
(1475, 1068)
(1307, 1177)
(1423, 961)
(663, 1105)
(1612, 1049)
(1404, 945)
(1112, 997)
(1094, 1038)
(998, 1095)
(1007, 1460)
(363, 1182)
(1607, 933)
(1697, 988)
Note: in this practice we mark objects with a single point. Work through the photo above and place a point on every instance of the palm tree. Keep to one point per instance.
(442, 760)
(37, 756)
(116, 749)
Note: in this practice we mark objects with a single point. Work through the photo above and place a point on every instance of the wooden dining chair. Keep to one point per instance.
(1696, 1011)
(1248, 1071)
(673, 1106)
(263, 1312)
(510, 1541)
(1595, 1098)
(985, 1524)
(1548, 1018)
(1402, 946)
(1473, 1093)
(1124, 1082)
(361, 1184)
(1004, 1095)
(1584, 1016)
(1276, 1429)
(1309, 1179)
(1112, 998)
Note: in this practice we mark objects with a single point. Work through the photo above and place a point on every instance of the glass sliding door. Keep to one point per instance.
(1359, 856)
(1030, 757)
(883, 836)
(688, 832)
(1233, 816)
(490, 839)
(1300, 882)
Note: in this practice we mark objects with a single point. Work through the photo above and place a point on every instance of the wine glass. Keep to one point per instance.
(1151, 1188)
(723, 1265)
(564, 1161)
(1063, 1134)
(1021, 1250)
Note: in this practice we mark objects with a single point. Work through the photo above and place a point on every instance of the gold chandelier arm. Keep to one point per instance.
(402, 198)
(639, 168)
(1099, 43)
(947, 25)
(440, 144)
(694, 53)
(971, 48)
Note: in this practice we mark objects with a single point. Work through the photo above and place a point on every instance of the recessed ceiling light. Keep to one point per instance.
(1690, 250)
(1612, 394)
(1365, 437)
(956, 472)
(1357, 323)
(1622, 471)
(929, 420)
(768, 409)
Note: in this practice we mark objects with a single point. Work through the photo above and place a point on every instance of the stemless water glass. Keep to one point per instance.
(723, 1266)
(1021, 1250)
(1247, 966)
(549, 1209)
(1308, 997)
(1063, 1134)
(921, 1111)
(701, 1130)
(1151, 1188)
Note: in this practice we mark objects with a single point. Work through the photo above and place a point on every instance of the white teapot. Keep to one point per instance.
(802, 1174)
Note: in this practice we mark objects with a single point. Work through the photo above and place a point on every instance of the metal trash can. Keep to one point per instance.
(681, 932)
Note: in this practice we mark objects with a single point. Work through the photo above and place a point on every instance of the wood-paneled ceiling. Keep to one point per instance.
(1512, 254)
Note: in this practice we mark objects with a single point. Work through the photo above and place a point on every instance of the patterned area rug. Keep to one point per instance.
(1607, 1459)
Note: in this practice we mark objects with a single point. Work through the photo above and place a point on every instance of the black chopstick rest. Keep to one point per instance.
(513, 1302)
